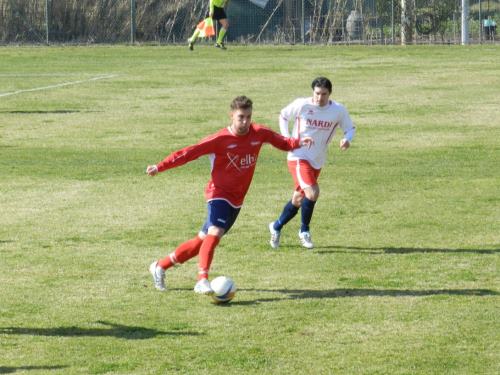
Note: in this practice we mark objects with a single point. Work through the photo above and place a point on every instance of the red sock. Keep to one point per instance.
(206, 255)
(184, 252)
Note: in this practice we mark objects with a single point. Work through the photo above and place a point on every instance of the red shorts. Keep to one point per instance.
(304, 175)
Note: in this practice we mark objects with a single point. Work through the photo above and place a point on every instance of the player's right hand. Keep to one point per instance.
(152, 170)
(307, 142)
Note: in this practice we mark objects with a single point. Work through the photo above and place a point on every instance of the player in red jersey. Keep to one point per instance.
(233, 153)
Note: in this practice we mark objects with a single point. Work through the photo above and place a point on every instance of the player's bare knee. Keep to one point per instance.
(297, 200)
(313, 196)
(215, 231)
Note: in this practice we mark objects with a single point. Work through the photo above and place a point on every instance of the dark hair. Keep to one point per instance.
(322, 82)
(241, 102)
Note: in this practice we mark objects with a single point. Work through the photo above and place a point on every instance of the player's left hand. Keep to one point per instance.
(344, 144)
(307, 141)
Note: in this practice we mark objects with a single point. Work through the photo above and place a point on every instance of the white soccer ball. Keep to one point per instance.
(224, 289)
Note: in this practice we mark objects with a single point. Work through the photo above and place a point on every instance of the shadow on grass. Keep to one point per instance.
(291, 294)
(399, 250)
(58, 111)
(13, 369)
(114, 330)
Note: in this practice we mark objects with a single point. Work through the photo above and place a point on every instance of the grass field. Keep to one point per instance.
(404, 278)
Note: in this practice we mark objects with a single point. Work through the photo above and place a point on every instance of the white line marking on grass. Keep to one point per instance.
(39, 74)
(59, 85)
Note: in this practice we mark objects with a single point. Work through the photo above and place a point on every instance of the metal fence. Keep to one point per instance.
(251, 21)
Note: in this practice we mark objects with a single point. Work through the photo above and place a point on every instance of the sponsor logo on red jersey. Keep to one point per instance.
(240, 162)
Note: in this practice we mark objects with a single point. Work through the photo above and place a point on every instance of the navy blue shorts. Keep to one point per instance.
(220, 214)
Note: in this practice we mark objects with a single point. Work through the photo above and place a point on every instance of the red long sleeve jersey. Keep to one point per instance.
(233, 159)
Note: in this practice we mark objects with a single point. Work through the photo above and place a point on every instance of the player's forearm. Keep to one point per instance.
(181, 157)
(285, 143)
(283, 122)
(349, 134)
(173, 160)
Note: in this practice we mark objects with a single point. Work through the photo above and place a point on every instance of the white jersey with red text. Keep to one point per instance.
(232, 157)
(319, 123)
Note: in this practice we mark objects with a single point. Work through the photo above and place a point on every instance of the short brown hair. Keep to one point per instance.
(241, 102)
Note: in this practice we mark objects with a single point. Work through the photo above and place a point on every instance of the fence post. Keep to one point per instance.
(480, 23)
(132, 22)
(303, 25)
(392, 22)
(406, 21)
(47, 21)
(465, 24)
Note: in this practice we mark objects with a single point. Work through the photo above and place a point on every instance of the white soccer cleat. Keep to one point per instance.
(203, 287)
(275, 236)
(158, 276)
(305, 240)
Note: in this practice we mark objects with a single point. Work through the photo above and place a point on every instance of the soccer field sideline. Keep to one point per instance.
(58, 85)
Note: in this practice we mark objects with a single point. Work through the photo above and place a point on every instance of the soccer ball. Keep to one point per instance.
(224, 289)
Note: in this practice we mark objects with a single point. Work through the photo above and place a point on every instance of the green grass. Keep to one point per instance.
(404, 278)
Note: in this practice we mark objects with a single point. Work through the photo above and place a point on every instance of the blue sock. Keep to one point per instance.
(289, 212)
(307, 209)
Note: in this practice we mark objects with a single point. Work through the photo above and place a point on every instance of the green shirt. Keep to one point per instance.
(218, 4)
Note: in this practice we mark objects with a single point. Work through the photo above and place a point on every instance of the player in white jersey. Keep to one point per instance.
(317, 117)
